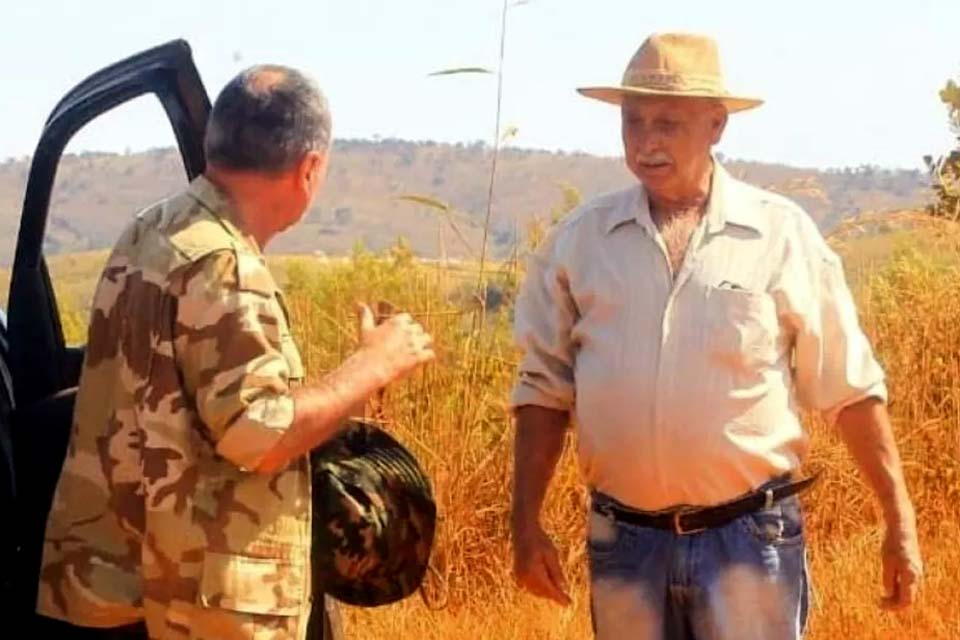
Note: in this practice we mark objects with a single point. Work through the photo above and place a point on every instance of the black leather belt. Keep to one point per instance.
(688, 520)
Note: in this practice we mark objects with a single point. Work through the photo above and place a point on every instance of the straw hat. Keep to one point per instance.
(674, 64)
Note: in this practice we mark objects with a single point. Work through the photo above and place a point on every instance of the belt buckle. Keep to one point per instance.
(678, 526)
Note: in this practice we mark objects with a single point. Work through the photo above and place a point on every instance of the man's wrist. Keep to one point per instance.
(524, 521)
(378, 370)
(898, 511)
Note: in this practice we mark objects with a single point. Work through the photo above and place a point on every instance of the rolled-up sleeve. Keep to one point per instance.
(834, 364)
(545, 314)
(227, 341)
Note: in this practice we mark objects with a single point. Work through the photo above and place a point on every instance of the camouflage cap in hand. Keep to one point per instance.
(374, 518)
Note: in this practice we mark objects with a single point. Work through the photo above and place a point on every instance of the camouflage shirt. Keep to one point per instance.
(186, 383)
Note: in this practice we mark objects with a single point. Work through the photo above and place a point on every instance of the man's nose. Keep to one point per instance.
(648, 143)
(641, 138)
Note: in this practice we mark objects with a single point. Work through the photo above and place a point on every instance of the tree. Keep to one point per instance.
(945, 170)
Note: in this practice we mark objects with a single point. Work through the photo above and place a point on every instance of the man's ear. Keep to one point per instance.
(312, 170)
(719, 122)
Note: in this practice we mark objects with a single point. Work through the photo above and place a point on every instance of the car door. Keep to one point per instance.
(43, 370)
(8, 504)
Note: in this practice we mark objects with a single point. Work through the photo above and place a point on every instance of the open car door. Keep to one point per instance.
(43, 370)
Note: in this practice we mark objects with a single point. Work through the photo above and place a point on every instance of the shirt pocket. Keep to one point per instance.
(245, 584)
(741, 328)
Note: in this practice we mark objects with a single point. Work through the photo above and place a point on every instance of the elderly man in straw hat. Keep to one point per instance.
(683, 322)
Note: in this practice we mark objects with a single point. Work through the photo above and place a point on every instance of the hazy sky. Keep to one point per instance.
(847, 82)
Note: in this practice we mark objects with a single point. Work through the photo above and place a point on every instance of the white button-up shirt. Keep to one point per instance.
(685, 388)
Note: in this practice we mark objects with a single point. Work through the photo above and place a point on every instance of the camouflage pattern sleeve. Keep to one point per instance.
(230, 339)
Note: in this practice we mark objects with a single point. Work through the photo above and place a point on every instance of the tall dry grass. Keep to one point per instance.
(453, 415)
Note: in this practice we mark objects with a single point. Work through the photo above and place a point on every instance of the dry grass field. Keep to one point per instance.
(453, 416)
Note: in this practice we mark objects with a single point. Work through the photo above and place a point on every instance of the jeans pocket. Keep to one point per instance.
(603, 535)
(780, 525)
(806, 595)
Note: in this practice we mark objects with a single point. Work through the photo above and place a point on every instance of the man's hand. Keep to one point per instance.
(902, 566)
(865, 427)
(536, 564)
(387, 352)
(399, 343)
(538, 445)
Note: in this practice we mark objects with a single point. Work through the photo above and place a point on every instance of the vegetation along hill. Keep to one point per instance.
(96, 193)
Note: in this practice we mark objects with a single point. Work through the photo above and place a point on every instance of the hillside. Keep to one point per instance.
(96, 194)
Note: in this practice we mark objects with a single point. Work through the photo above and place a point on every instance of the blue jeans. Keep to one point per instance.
(746, 580)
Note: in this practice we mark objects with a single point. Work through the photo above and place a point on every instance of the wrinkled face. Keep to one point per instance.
(667, 141)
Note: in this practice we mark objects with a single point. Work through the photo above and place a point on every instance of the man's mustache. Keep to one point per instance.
(654, 158)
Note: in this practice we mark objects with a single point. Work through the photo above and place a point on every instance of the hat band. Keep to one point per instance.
(683, 82)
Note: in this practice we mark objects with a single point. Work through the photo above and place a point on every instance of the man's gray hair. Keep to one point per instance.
(266, 119)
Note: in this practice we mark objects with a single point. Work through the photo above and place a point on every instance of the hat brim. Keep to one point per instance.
(615, 95)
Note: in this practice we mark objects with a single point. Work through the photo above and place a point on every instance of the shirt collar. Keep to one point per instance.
(636, 209)
(725, 206)
(218, 203)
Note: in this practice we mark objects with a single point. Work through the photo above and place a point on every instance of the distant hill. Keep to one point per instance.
(96, 193)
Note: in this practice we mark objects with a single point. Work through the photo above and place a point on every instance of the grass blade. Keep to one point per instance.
(460, 71)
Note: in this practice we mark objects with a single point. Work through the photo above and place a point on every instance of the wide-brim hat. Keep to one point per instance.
(374, 517)
(674, 64)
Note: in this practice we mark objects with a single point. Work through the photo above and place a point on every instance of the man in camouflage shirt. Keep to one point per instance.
(184, 500)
